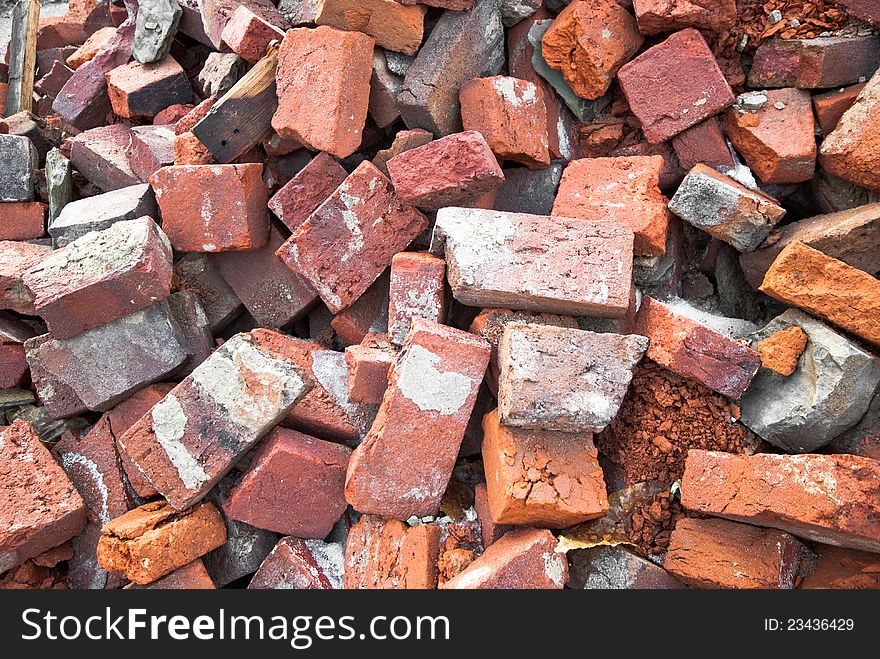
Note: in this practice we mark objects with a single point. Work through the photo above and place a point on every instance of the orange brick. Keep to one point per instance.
(393, 25)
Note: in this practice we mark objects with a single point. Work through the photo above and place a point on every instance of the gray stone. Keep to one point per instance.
(833, 194)
(195, 272)
(103, 366)
(615, 568)
(529, 190)
(652, 270)
(864, 437)
(59, 186)
(514, 11)
(101, 212)
(245, 548)
(156, 25)
(398, 63)
(220, 72)
(299, 12)
(463, 45)
(18, 175)
(194, 325)
(827, 394)
(582, 108)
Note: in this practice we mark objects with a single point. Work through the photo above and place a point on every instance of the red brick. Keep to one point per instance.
(777, 141)
(623, 191)
(154, 540)
(273, 294)
(189, 150)
(826, 287)
(172, 114)
(192, 576)
(541, 478)
(843, 569)
(404, 140)
(249, 35)
(39, 507)
(13, 365)
(350, 239)
(865, 10)
(403, 466)
(417, 290)
(489, 530)
(819, 63)
(825, 498)
(423, 176)
(213, 208)
(143, 90)
(535, 263)
(58, 31)
(455, 5)
(22, 220)
(656, 16)
(51, 82)
(90, 48)
(192, 437)
(101, 277)
(694, 351)
(830, 106)
(310, 188)
(391, 555)
(703, 143)
(368, 369)
(301, 565)
(328, 69)
(393, 25)
(368, 314)
(15, 260)
(716, 553)
(215, 14)
(511, 115)
(101, 155)
(151, 148)
(294, 486)
(589, 42)
(521, 558)
(675, 85)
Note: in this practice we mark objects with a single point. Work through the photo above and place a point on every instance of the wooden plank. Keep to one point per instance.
(22, 56)
(243, 116)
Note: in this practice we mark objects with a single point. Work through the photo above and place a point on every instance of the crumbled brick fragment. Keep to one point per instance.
(780, 351)
(703, 143)
(249, 34)
(391, 555)
(656, 16)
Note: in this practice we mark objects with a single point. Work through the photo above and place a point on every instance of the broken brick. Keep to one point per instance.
(830, 106)
(823, 62)
(307, 190)
(391, 555)
(101, 155)
(15, 260)
(368, 369)
(780, 351)
(22, 220)
(301, 565)
(152, 147)
(656, 16)
(703, 143)
(249, 35)
(417, 289)
(102, 211)
(393, 25)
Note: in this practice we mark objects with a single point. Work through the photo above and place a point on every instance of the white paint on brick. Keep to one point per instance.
(331, 372)
(475, 241)
(554, 567)
(68, 460)
(430, 389)
(515, 92)
(330, 558)
(169, 426)
(352, 223)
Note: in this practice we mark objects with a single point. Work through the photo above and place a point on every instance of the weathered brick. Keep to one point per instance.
(249, 34)
(417, 289)
(368, 314)
(192, 576)
(213, 208)
(822, 63)
(591, 374)
(404, 464)
(90, 47)
(617, 568)
(86, 372)
(541, 478)
(273, 294)
(535, 263)
(330, 69)
(218, 75)
(511, 115)
(154, 540)
(101, 277)
(101, 155)
(305, 192)
(422, 177)
(825, 498)
(22, 220)
(368, 369)
(462, 45)
(716, 553)
(529, 191)
(391, 555)
(301, 565)
(102, 211)
(656, 16)
(843, 569)
(674, 85)
(725, 209)
(703, 143)
(521, 558)
(152, 147)
(830, 106)
(695, 351)
(778, 141)
(589, 42)
(853, 236)
(39, 507)
(26, 124)
(13, 365)
(313, 500)
(846, 296)
(215, 14)
(850, 150)
(195, 272)
(52, 81)
(393, 25)
(193, 436)
(19, 174)
(350, 239)
(623, 191)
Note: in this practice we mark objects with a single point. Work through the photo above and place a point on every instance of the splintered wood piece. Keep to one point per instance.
(22, 56)
(243, 116)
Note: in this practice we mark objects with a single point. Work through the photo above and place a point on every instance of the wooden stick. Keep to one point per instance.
(22, 56)
(243, 116)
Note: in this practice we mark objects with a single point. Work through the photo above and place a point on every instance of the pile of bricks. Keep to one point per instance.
(445, 294)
